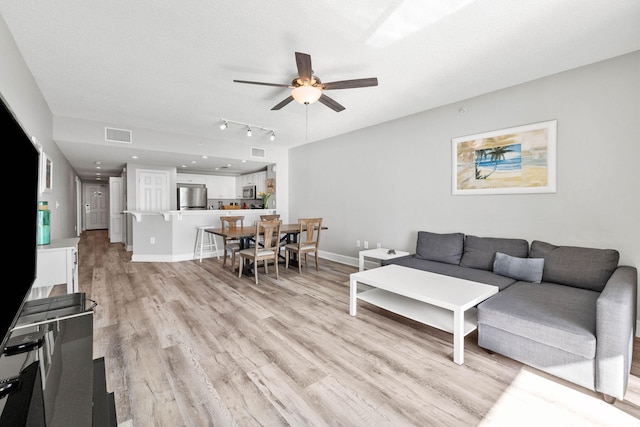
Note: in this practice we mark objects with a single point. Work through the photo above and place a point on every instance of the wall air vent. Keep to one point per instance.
(118, 135)
(259, 153)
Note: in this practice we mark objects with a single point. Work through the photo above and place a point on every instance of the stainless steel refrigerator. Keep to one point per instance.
(192, 197)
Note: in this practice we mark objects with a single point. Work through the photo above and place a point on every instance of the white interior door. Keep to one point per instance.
(96, 200)
(116, 216)
(153, 190)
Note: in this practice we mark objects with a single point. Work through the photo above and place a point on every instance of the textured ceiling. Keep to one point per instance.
(169, 66)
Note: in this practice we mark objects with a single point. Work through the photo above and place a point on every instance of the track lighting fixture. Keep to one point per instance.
(249, 128)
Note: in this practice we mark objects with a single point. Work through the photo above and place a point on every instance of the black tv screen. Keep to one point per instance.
(23, 196)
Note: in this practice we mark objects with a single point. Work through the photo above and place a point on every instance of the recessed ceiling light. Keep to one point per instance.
(98, 167)
(229, 165)
(244, 161)
(183, 166)
(205, 157)
(134, 157)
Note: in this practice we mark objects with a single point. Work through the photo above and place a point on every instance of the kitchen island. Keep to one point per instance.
(170, 236)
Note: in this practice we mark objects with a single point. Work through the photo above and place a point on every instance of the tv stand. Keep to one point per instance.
(54, 379)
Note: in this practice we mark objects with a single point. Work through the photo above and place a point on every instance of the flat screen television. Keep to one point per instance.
(23, 199)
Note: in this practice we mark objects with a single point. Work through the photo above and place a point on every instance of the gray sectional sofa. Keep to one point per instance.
(568, 311)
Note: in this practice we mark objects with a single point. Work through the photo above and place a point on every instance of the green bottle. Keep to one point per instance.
(43, 231)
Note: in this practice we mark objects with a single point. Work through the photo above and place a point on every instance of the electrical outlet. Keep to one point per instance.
(378, 245)
(366, 244)
(357, 243)
(152, 240)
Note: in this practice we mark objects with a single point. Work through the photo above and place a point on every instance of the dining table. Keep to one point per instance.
(246, 235)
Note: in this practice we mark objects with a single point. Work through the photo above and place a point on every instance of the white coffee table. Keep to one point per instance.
(444, 302)
(380, 254)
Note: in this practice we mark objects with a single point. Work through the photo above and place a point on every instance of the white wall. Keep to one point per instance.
(22, 94)
(385, 183)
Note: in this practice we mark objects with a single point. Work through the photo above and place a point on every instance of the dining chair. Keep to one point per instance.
(268, 232)
(231, 246)
(307, 242)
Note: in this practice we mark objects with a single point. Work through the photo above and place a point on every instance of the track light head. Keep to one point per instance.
(224, 125)
(248, 131)
(272, 137)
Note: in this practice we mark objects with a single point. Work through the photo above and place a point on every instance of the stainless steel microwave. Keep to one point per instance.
(249, 192)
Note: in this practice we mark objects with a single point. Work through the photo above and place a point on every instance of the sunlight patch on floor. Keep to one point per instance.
(532, 400)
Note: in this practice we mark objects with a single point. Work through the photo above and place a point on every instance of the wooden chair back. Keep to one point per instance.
(269, 217)
(268, 234)
(232, 221)
(310, 229)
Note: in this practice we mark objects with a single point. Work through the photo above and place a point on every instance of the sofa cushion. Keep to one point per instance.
(440, 247)
(481, 276)
(559, 316)
(479, 252)
(586, 268)
(527, 269)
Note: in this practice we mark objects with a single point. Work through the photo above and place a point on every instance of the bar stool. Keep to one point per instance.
(205, 242)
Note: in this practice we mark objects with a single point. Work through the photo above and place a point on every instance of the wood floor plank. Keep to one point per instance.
(191, 344)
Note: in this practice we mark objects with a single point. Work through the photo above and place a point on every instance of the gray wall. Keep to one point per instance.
(385, 183)
(22, 94)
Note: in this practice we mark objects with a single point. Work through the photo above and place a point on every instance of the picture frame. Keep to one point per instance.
(516, 160)
(271, 185)
(46, 173)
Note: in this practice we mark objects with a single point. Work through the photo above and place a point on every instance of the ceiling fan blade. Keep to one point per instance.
(350, 84)
(263, 84)
(283, 103)
(330, 103)
(303, 61)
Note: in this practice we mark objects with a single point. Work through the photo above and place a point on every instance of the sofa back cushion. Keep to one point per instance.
(587, 268)
(440, 247)
(480, 252)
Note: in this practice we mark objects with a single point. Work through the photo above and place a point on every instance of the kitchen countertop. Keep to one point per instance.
(137, 215)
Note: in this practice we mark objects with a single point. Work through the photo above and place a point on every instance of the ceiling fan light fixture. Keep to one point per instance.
(306, 94)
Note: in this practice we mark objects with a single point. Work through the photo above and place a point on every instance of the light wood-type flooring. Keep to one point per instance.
(191, 344)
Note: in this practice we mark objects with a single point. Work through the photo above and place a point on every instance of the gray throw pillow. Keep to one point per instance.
(440, 247)
(527, 269)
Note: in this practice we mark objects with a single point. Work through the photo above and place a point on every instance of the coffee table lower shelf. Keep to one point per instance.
(422, 312)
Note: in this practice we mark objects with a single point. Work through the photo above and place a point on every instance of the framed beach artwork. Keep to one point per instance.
(516, 160)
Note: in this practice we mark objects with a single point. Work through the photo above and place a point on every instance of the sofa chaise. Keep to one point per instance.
(565, 310)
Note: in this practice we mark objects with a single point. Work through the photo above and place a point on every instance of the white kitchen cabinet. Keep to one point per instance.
(220, 187)
(259, 179)
(190, 178)
(241, 182)
(261, 182)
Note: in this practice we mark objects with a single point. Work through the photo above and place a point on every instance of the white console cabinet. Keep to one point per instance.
(58, 264)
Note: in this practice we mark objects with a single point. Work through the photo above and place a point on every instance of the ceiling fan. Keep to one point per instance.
(308, 88)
